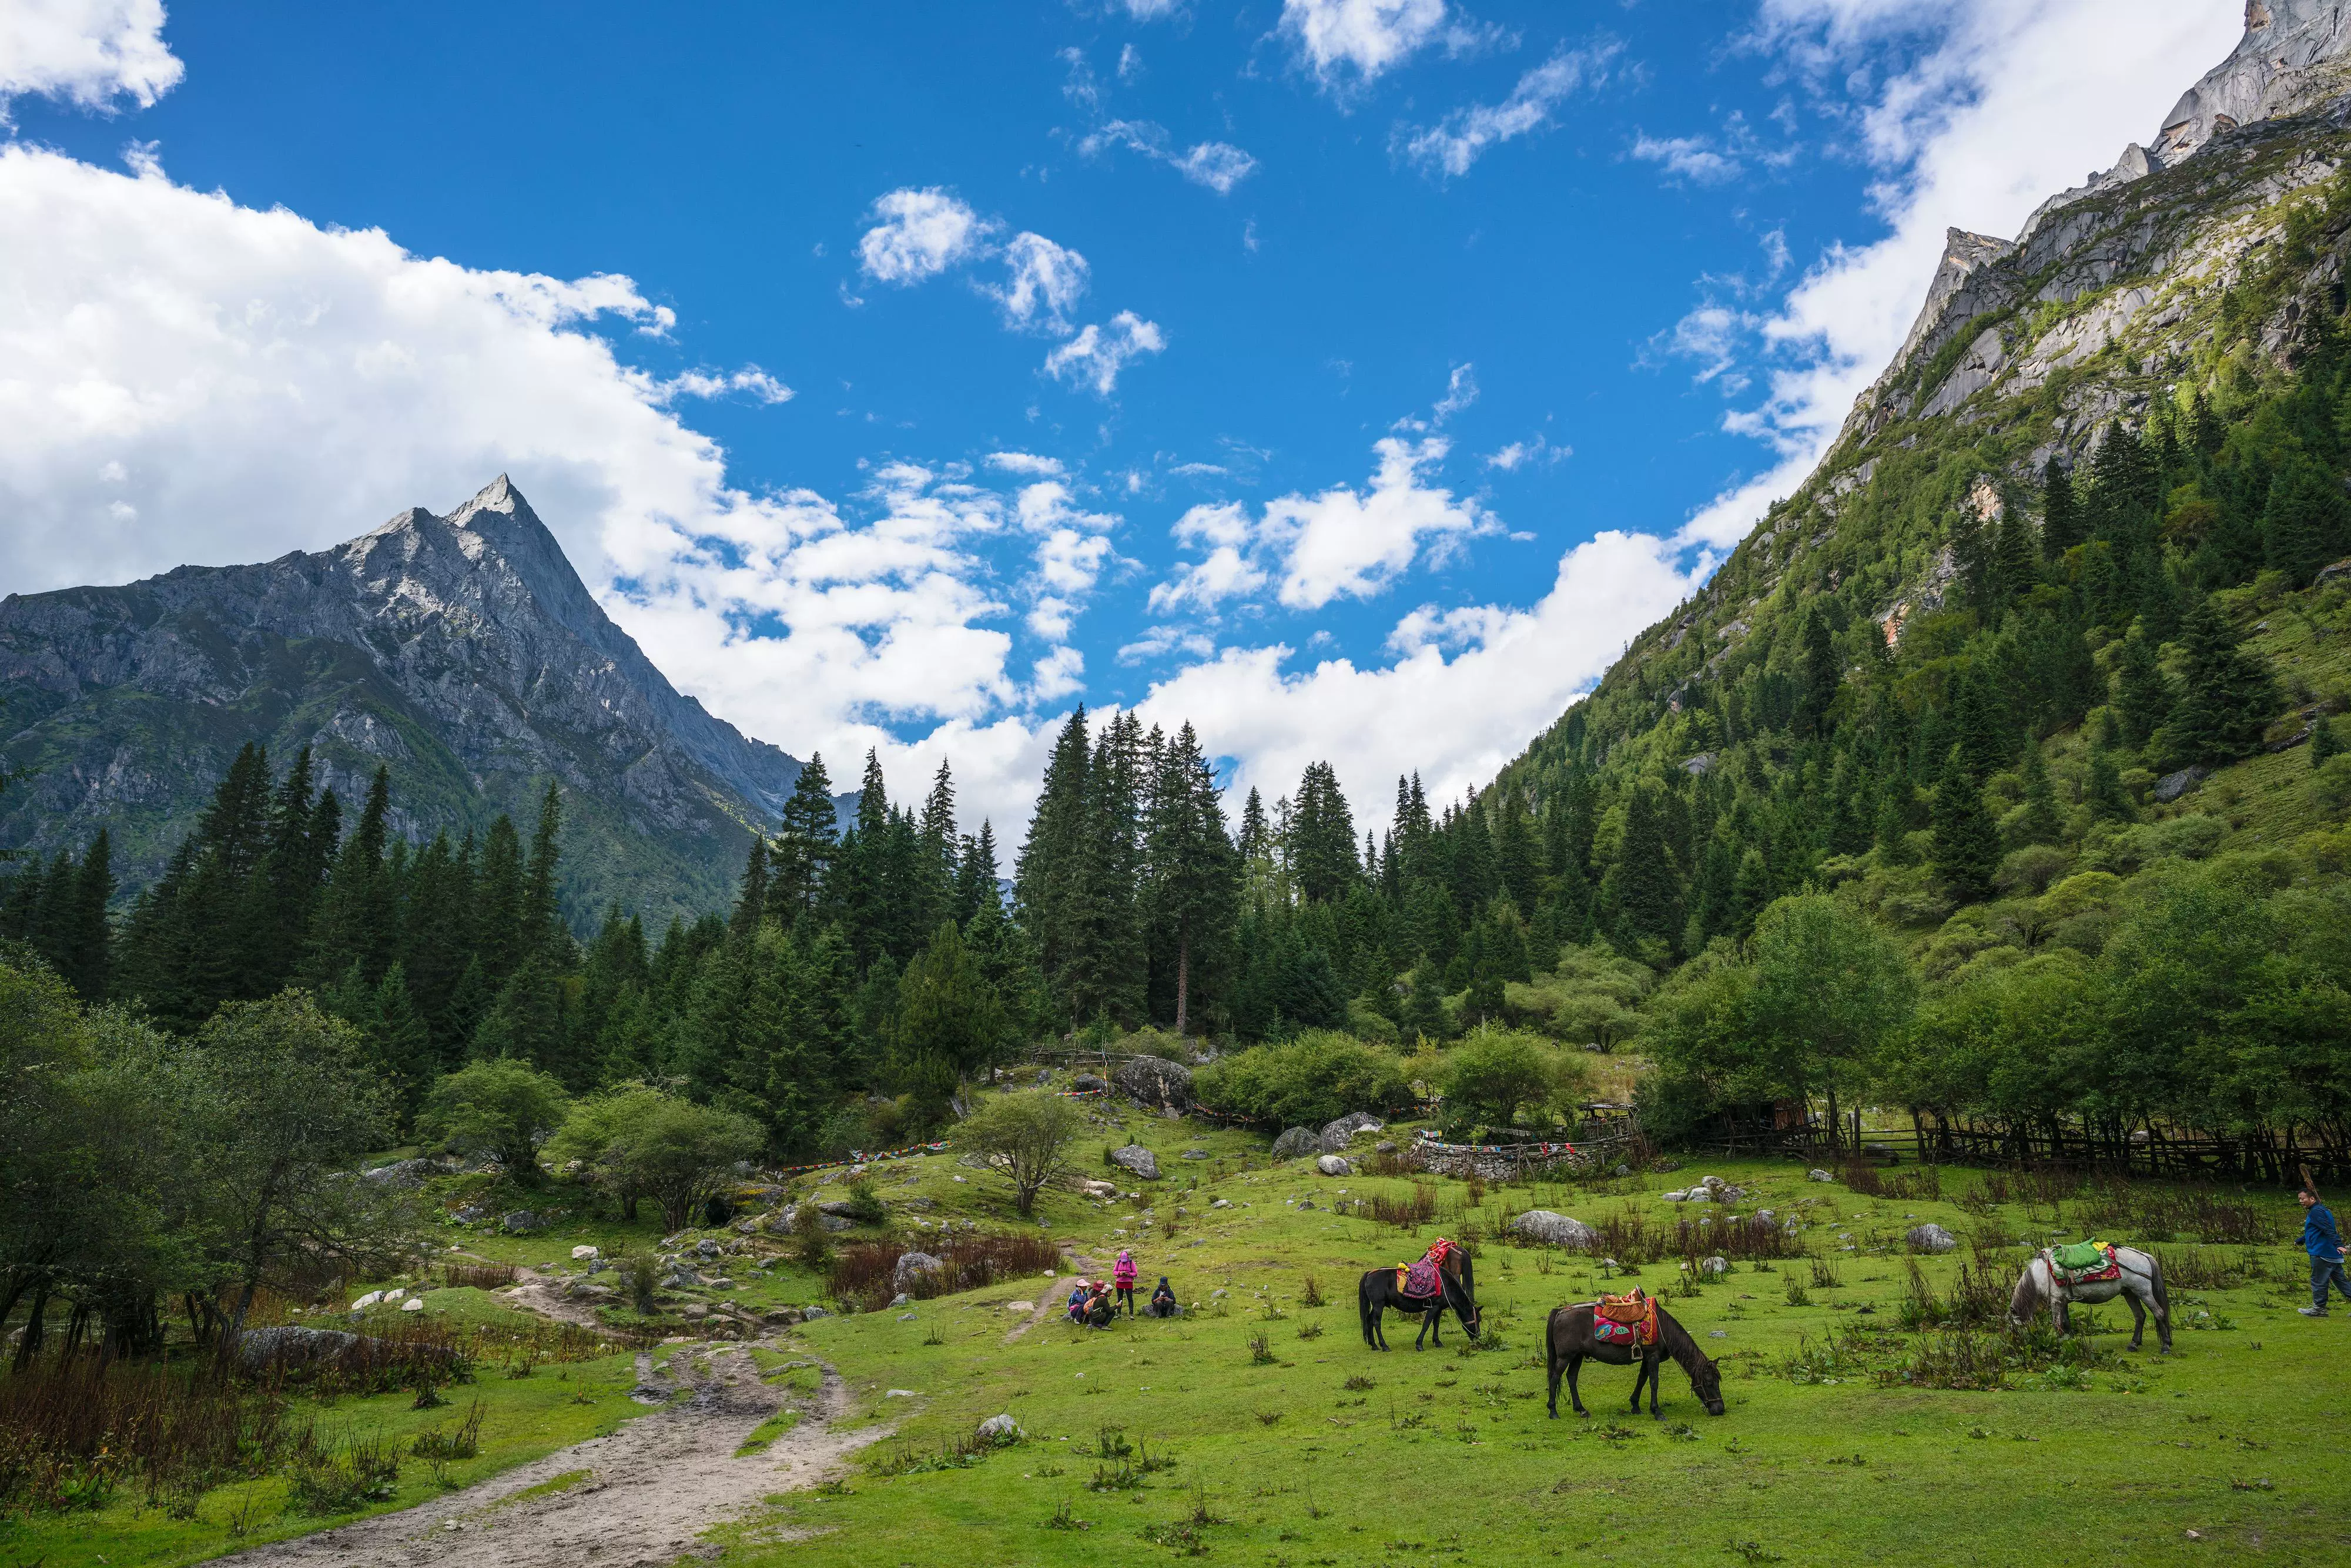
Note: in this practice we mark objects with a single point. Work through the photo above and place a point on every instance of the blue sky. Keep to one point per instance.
(1350, 376)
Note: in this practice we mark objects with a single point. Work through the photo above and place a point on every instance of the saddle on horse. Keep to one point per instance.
(2082, 1263)
(1419, 1280)
(1629, 1319)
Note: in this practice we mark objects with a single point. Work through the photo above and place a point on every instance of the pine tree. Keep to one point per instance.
(1640, 891)
(1046, 875)
(83, 939)
(2307, 524)
(805, 837)
(2061, 521)
(2040, 823)
(2143, 695)
(1194, 890)
(2227, 698)
(750, 893)
(935, 877)
(2102, 792)
(2325, 744)
(1322, 837)
(545, 933)
(498, 906)
(357, 920)
(977, 876)
(1967, 846)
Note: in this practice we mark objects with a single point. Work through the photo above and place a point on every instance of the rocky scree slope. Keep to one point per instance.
(461, 650)
(2191, 266)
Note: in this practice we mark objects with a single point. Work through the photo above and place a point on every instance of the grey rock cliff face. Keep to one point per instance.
(2290, 59)
(462, 651)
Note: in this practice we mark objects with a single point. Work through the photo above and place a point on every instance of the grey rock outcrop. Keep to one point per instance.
(1336, 1136)
(2172, 785)
(1295, 1142)
(1931, 1239)
(1333, 1166)
(1138, 1160)
(1000, 1429)
(1090, 1083)
(1553, 1230)
(913, 1266)
(1152, 1081)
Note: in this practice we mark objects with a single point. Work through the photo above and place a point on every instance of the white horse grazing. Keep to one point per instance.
(2140, 1284)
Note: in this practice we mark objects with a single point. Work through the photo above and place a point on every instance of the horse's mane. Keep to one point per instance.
(1678, 1341)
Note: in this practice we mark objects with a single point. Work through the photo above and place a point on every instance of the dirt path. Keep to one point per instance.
(651, 1491)
(1052, 1301)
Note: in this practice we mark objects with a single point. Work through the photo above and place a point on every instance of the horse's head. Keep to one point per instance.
(1458, 1281)
(1705, 1380)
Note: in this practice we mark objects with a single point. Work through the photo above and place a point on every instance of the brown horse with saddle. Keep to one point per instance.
(1620, 1330)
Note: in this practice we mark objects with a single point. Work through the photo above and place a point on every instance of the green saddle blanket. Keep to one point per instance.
(2081, 1257)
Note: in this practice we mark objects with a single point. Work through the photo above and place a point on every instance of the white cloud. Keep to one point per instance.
(1026, 463)
(1130, 63)
(1047, 280)
(1340, 543)
(1987, 109)
(1160, 641)
(919, 233)
(1149, 10)
(1460, 392)
(1097, 354)
(1453, 144)
(761, 386)
(1219, 166)
(1368, 37)
(1059, 673)
(1455, 720)
(1691, 158)
(88, 53)
(1537, 453)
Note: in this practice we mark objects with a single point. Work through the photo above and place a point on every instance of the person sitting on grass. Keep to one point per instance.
(1077, 1298)
(1098, 1313)
(2325, 1244)
(1124, 1276)
(1163, 1299)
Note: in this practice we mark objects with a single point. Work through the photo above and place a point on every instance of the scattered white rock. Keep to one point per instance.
(1553, 1230)
(364, 1302)
(1818, 1175)
(1000, 1428)
(1333, 1166)
(1931, 1237)
(414, 1305)
(901, 1394)
(582, 1254)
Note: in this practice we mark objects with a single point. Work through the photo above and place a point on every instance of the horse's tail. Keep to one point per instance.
(2025, 1297)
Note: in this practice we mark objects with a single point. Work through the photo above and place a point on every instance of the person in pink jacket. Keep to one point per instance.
(1123, 1277)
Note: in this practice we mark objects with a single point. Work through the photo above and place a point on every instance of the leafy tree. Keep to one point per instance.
(1495, 1071)
(644, 1143)
(1830, 991)
(500, 1108)
(1316, 1077)
(1028, 1138)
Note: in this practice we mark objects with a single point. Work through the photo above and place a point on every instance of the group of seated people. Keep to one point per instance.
(1093, 1303)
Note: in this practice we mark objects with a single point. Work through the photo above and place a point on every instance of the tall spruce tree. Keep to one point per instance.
(1967, 846)
(2227, 697)
(801, 854)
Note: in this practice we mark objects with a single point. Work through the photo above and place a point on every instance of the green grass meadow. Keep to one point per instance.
(1313, 1449)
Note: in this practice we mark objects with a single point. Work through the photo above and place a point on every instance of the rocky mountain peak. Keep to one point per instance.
(2292, 58)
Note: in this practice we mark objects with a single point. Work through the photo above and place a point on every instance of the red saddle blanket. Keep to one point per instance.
(1629, 1319)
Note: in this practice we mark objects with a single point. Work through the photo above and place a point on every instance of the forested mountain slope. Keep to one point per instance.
(463, 651)
(2109, 451)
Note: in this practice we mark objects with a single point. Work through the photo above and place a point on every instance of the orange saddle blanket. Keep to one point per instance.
(1629, 1319)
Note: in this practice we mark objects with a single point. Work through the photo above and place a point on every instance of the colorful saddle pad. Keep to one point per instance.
(1629, 1319)
(1420, 1279)
(2084, 1262)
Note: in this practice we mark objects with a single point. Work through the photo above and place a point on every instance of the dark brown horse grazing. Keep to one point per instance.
(1568, 1339)
(1456, 1287)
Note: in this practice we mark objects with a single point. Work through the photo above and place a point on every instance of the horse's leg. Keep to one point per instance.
(1639, 1378)
(1551, 1371)
(2139, 1316)
(2061, 1314)
(1574, 1395)
(1656, 1381)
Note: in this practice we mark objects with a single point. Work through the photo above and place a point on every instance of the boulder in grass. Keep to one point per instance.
(401, 1175)
(521, 1221)
(290, 1348)
(1337, 1134)
(1295, 1144)
(1156, 1084)
(1136, 1158)
(1818, 1175)
(1000, 1429)
(1333, 1166)
(1090, 1083)
(913, 1266)
(1553, 1230)
(1714, 1268)
(1931, 1239)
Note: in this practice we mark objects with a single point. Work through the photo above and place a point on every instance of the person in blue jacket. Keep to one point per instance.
(2325, 1244)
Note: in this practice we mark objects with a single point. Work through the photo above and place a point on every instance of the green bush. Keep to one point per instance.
(1318, 1077)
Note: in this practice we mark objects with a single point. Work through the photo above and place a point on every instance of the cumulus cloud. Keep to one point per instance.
(1025, 463)
(1455, 720)
(1219, 166)
(1097, 354)
(751, 379)
(919, 233)
(1449, 147)
(1538, 453)
(88, 53)
(1337, 39)
(1339, 543)
(1047, 280)
(1978, 113)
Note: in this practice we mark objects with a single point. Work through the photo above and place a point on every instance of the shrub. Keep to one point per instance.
(1497, 1071)
(1025, 1138)
(1319, 1077)
(867, 1271)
